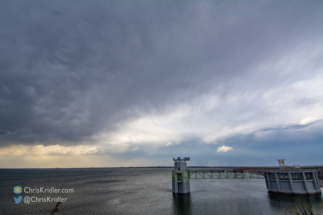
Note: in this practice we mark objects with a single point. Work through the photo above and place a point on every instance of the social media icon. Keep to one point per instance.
(17, 200)
(17, 189)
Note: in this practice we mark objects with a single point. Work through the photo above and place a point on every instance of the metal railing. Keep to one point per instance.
(293, 170)
(239, 174)
(224, 174)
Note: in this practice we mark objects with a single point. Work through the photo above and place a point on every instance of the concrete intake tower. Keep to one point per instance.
(180, 176)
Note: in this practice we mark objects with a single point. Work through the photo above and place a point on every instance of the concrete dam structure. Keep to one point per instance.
(284, 180)
(180, 176)
(292, 181)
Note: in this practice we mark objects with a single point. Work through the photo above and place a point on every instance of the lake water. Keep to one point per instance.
(140, 191)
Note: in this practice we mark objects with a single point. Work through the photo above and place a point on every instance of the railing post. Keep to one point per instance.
(291, 182)
(277, 182)
(314, 181)
(304, 181)
(268, 181)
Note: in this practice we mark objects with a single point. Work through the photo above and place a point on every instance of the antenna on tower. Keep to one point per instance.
(281, 163)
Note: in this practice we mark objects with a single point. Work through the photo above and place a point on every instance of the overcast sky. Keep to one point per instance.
(136, 83)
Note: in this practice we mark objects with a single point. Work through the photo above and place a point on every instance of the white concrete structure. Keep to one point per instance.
(180, 176)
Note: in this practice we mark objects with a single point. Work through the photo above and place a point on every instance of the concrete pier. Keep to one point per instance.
(180, 176)
(292, 181)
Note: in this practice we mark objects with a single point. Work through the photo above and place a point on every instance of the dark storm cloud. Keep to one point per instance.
(69, 70)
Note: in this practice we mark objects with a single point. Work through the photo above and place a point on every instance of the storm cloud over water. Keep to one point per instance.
(157, 79)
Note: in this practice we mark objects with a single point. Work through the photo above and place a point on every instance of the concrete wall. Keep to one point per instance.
(292, 182)
(180, 181)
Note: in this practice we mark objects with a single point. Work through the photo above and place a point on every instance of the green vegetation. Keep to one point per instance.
(303, 209)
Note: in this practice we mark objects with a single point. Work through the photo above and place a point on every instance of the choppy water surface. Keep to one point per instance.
(141, 191)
